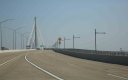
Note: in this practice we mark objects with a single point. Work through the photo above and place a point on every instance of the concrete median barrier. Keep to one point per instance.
(123, 60)
(4, 51)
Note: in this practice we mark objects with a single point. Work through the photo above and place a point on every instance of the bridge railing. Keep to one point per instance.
(84, 51)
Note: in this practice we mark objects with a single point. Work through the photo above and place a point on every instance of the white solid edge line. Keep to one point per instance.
(42, 69)
(10, 60)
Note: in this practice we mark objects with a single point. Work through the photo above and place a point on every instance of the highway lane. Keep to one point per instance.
(9, 55)
(20, 69)
(65, 67)
(59, 66)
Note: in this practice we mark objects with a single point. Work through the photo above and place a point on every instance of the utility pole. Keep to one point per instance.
(15, 39)
(57, 44)
(95, 37)
(73, 41)
(26, 41)
(15, 36)
(21, 41)
(64, 41)
(1, 35)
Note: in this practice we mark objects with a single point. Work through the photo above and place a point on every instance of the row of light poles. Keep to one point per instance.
(14, 31)
(56, 44)
(15, 36)
(22, 38)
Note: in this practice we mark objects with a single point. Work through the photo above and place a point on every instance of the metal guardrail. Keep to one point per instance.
(112, 53)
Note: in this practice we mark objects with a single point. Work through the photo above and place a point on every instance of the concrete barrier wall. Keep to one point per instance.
(4, 51)
(123, 60)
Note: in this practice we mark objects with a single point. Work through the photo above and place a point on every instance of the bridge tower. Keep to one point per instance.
(33, 43)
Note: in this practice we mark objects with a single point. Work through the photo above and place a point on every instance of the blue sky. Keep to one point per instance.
(63, 18)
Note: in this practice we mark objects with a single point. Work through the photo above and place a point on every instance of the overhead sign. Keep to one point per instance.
(59, 39)
(41, 45)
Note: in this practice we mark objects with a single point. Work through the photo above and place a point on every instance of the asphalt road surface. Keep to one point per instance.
(50, 65)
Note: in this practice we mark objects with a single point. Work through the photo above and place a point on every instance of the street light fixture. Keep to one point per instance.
(1, 30)
(73, 41)
(95, 37)
(64, 41)
(13, 35)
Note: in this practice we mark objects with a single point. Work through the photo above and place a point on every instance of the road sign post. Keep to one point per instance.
(59, 41)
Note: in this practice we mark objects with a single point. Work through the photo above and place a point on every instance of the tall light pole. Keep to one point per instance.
(1, 30)
(64, 41)
(26, 40)
(95, 37)
(36, 41)
(13, 35)
(57, 43)
(23, 39)
(73, 40)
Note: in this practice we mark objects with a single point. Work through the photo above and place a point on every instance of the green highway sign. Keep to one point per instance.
(41, 45)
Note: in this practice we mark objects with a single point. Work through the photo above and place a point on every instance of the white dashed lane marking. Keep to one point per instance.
(53, 59)
(10, 60)
(117, 76)
(70, 64)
